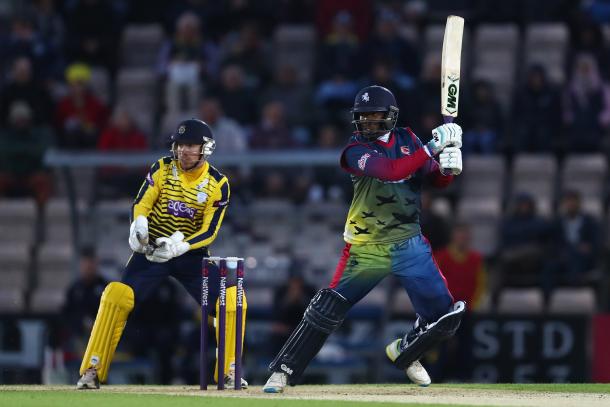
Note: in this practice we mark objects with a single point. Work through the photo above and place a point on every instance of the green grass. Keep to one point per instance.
(348, 395)
(547, 387)
(90, 399)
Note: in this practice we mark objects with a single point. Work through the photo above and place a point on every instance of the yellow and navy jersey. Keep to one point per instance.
(192, 202)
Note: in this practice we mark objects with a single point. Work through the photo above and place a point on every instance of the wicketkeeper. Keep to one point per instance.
(176, 216)
(388, 166)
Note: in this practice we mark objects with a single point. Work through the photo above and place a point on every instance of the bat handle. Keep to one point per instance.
(448, 119)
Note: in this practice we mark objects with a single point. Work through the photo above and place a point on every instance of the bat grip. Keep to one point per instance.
(448, 119)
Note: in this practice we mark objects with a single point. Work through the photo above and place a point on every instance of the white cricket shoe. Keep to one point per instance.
(276, 383)
(415, 372)
(418, 374)
(230, 381)
(88, 380)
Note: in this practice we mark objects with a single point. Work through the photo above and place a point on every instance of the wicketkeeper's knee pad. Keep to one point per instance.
(415, 344)
(115, 305)
(230, 329)
(323, 316)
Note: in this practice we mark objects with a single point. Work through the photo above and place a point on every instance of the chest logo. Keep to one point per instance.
(180, 209)
(362, 161)
(405, 150)
(202, 197)
(203, 184)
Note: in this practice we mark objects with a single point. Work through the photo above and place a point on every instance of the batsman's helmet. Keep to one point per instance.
(194, 131)
(374, 99)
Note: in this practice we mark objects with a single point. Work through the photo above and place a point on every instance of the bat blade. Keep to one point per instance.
(450, 67)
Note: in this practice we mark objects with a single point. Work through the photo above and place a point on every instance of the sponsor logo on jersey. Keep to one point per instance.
(202, 197)
(405, 150)
(149, 179)
(362, 161)
(180, 209)
(203, 184)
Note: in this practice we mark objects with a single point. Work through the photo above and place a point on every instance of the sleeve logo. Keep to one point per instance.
(362, 161)
(150, 180)
(220, 204)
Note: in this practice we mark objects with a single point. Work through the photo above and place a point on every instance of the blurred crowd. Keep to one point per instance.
(217, 62)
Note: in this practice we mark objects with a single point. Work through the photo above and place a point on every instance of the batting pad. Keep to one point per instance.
(116, 304)
(230, 330)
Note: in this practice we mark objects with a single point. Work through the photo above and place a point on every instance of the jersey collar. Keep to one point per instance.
(387, 140)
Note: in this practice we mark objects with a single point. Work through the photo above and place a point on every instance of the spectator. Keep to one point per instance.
(290, 300)
(383, 74)
(81, 304)
(576, 245)
(428, 95)
(22, 147)
(185, 61)
(588, 37)
(295, 97)
(50, 24)
(272, 132)
(328, 184)
(360, 11)
(332, 95)
(523, 242)
(236, 98)
(247, 49)
(483, 120)
(230, 137)
(339, 53)
(24, 41)
(22, 88)
(434, 226)
(586, 106)
(188, 49)
(92, 34)
(386, 40)
(122, 134)
(80, 115)
(463, 268)
(535, 124)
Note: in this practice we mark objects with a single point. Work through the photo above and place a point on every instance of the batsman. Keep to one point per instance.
(388, 167)
(176, 217)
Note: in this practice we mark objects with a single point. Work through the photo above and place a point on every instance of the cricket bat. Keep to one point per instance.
(450, 67)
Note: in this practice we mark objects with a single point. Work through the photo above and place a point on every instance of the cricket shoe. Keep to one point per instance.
(416, 372)
(276, 383)
(88, 380)
(230, 381)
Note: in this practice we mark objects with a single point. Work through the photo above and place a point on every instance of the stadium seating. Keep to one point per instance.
(520, 301)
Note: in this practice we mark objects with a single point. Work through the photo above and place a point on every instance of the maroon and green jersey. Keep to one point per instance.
(388, 174)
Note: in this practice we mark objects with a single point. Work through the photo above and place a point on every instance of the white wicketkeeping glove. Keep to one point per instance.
(138, 234)
(450, 161)
(168, 248)
(446, 135)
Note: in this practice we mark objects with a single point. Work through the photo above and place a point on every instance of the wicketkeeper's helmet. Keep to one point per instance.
(194, 131)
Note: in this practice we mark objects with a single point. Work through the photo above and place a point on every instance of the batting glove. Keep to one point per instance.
(450, 161)
(138, 234)
(446, 135)
(168, 248)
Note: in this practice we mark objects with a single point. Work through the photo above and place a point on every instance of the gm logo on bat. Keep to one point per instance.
(452, 91)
